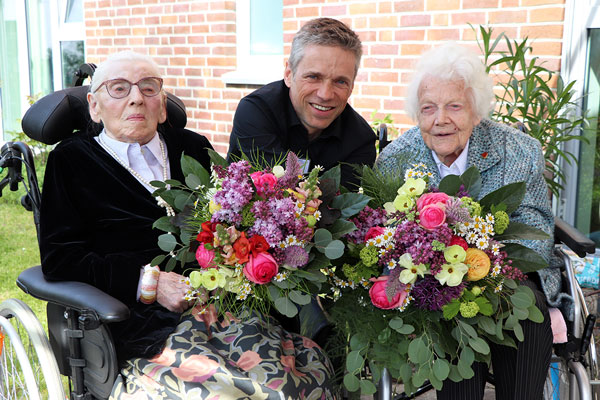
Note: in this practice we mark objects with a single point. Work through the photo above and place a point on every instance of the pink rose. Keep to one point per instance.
(263, 181)
(373, 232)
(261, 268)
(431, 198)
(380, 299)
(205, 257)
(432, 216)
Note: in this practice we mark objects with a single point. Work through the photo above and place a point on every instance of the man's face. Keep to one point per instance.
(321, 85)
(446, 117)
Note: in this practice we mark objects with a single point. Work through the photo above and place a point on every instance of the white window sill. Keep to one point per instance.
(254, 76)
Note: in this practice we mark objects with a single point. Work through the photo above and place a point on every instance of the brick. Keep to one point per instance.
(383, 22)
(181, 8)
(138, 11)
(222, 28)
(369, 36)
(383, 49)
(441, 20)
(366, 103)
(333, 11)
(545, 31)
(443, 34)
(409, 34)
(415, 20)
(526, 3)
(436, 5)
(473, 18)
(140, 31)
(409, 5)
(507, 17)
(546, 48)
(221, 61)
(307, 12)
(168, 20)
(393, 105)
(555, 14)
(375, 90)
(413, 49)
(361, 9)
(385, 36)
(480, 4)
(383, 77)
(182, 29)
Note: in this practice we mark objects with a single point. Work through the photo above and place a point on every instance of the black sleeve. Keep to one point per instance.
(255, 129)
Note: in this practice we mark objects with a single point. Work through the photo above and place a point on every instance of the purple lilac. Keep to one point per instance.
(236, 191)
(367, 218)
(429, 294)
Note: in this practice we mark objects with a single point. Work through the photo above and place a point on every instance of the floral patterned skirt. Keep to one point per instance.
(221, 359)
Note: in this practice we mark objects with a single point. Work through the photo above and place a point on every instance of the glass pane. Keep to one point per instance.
(588, 186)
(266, 27)
(74, 12)
(40, 47)
(9, 70)
(71, 57)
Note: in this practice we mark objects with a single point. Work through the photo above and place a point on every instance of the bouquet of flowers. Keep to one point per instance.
(425, 283)
(247, 233)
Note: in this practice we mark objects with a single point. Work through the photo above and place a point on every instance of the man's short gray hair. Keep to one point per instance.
(325, 32)
(453, 62)
(100, 74)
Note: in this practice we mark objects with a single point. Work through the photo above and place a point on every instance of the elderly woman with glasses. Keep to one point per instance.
(96, 227)
(450, 97)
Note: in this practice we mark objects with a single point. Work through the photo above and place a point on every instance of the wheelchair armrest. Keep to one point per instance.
(71, 294)
(572, 238)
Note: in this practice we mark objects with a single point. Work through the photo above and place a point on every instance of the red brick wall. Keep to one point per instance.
(194, 42)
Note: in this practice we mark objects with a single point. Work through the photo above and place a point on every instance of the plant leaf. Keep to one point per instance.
(524, 258)
(512, 195)
(285, 307)
(471, 178)
(351, 382)
(517, 230)
(350, 203)
(299, 297)
(354, 361)
(167, 242)
(335, 249)
(450, 184)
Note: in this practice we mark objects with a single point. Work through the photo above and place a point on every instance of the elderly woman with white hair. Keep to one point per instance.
(451, 96)
(97, 214)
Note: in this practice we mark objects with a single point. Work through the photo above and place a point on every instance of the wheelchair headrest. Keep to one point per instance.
(56, 116)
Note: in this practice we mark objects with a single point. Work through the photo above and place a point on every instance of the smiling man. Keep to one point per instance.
(308, 112)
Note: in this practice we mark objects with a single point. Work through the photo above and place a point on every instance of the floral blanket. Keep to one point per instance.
(225, 358)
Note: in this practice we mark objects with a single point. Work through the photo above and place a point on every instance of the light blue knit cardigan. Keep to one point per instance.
(502, 155)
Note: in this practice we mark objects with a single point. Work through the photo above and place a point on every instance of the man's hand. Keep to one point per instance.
(171, 291)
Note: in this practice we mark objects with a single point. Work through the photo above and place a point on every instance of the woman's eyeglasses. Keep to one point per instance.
(120, 88)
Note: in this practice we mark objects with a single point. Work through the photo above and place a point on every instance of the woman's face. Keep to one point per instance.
(134, 118)
(446, 117)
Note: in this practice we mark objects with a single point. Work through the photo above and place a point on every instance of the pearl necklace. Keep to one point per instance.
(159, 200)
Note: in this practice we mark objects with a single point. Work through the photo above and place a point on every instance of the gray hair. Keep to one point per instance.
(100, 74)
(453, 62)
(325, 32)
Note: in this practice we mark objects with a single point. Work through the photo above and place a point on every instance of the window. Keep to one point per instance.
(69, 34)
(259, 26)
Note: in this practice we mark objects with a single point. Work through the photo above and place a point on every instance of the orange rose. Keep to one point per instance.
(478, 263)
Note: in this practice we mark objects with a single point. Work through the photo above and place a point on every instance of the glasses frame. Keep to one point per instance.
(131, 84)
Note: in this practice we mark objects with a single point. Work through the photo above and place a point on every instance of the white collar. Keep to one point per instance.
(120, 148)
(458, 167)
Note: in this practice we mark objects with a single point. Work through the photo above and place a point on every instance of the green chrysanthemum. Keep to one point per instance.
(500, 222)
(469, 309)
(473, 206)
(369, 255)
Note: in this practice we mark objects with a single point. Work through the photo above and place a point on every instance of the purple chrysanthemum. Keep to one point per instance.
(429, 294)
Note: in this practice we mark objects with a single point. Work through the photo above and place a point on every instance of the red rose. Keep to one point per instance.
(374, 231)
(205, 237)
(431, 198)
(380, 299)
(242, 248)
(258, 244)
(261, 269)
(457, 240)
(432, 216)
(208, 226)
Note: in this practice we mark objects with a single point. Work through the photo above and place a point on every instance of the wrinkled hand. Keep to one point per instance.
(171, 291)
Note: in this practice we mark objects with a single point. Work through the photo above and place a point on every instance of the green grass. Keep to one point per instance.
(18, 249)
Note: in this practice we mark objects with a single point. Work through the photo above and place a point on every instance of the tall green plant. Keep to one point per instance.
(529, 100)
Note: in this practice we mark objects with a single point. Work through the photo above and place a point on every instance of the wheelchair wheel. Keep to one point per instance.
(28, 369)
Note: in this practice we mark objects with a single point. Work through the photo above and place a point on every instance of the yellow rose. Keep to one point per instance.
(478, 263)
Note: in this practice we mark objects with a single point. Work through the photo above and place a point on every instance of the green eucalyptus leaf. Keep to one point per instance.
(467, 355)
(170, 264)
(535, 314)
(469, 330)
(488, 325)
(335, 249)
(479, 345)
(521, 313)
(512, 195)
(274, 293)
(454, 374)
(384, 335)
(167, 242)
(341, 227)
(351, 382)
(286, 307)
(164, 224)
(190, 166)
(465, 370)
(521, 300)
(158, 259)
(441, 369)
(318, 262)
(406, 329)
(396, 323)
(193, 181)
(285, 284)
(367, 387)
(518, 330)
(450, 184)
(299, 298)
(216, 158)
(358, 342)
(354, 361)
(405, 372)
(435, 382)
(350, 204)
(322, 238)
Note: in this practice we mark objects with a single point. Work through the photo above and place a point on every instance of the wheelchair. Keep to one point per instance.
(78, 345)
(574, 370)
